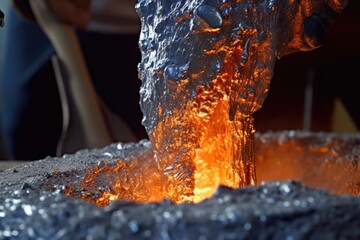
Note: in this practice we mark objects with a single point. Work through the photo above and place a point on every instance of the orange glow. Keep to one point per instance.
(196, 150)
(316, 165)
(201, 127)
(325, 165)
(212, 135)
(207, 142)
(125, 180)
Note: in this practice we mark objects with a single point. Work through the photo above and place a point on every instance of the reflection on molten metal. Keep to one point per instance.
(125, 180)
(207, 143)
(326, 161)
(318, 160)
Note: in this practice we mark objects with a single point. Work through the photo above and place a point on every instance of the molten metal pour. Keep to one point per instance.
(206, 68)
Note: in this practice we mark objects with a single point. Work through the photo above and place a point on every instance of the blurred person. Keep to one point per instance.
(31, 109)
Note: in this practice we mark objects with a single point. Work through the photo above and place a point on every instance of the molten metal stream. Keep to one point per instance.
(206, 68)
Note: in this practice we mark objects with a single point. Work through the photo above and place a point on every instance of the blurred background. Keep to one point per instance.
(4, 5)
(318, 90)
(315, 91)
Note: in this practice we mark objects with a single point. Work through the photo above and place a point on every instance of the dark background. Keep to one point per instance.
(335, 68)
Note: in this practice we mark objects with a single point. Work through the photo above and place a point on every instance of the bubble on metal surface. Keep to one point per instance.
(207, 17)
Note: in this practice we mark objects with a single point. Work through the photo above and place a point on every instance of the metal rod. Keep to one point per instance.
(308, 100)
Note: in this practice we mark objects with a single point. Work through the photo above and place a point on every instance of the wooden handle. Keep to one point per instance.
(66, 44)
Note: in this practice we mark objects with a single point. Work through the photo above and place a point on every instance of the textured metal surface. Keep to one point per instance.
(185, 44)
(274, 210)
(33, 204)
(206, 68)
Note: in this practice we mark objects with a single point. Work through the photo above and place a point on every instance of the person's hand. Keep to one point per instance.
(74, 12)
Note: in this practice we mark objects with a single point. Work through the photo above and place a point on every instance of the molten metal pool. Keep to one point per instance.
(35, 201)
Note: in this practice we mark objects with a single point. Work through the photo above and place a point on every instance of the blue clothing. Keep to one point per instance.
(27, 49)
(31, 112)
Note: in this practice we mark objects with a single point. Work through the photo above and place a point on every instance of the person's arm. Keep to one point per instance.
(74, 12)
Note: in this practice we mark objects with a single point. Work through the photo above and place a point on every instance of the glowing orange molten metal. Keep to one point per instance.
(206, 68)
(126, 180)
(324, 162)
(196, 148)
